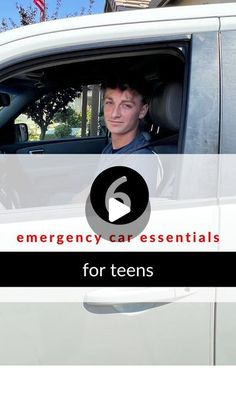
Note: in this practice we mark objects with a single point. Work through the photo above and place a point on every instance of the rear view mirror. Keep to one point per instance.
(21, 132)
(5, 99)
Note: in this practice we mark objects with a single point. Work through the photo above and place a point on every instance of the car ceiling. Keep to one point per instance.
(161, 65)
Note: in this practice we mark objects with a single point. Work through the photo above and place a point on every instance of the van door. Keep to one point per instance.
(174, 333)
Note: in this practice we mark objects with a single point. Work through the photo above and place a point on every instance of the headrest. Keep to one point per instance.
(165, 105)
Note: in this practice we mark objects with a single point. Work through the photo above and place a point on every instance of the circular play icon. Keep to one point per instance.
(119, 195)
(118, 203)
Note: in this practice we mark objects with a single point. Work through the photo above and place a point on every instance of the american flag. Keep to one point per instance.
(41, 5)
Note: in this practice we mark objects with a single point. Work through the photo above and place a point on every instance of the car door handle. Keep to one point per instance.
(132, 300)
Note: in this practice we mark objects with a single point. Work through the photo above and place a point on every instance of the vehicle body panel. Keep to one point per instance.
(184, 333)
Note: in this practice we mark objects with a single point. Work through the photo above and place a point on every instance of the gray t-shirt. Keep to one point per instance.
(138, 146)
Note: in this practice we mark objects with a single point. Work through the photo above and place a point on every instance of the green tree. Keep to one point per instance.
(62, 131)
(42, 112)
(70, 117)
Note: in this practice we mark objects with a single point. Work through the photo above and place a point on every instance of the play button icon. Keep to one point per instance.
(118, 202)
(117, 210)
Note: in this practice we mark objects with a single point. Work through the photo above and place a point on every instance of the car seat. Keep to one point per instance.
(165, 113)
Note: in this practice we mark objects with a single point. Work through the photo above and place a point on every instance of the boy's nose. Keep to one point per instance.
(116, 111)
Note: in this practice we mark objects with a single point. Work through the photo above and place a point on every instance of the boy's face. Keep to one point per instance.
(122, 110)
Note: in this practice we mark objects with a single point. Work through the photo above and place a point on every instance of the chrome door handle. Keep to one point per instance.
(126, 300)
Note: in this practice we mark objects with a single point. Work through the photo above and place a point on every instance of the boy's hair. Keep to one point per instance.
(128, 81)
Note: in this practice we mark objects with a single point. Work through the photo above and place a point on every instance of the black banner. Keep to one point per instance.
(71, 269)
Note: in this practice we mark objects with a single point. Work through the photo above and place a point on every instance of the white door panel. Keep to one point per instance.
(62, 333)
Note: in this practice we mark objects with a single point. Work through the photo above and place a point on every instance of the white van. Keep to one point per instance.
(188, 57)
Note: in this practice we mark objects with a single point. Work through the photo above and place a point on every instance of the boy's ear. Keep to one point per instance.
(143, 111)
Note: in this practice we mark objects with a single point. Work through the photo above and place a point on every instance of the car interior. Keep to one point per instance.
(79, 77)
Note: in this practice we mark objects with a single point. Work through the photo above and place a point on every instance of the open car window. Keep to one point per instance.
(57, 108)
(65, 101)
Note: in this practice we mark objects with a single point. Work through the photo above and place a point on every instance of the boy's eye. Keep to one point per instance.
(127, 105)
